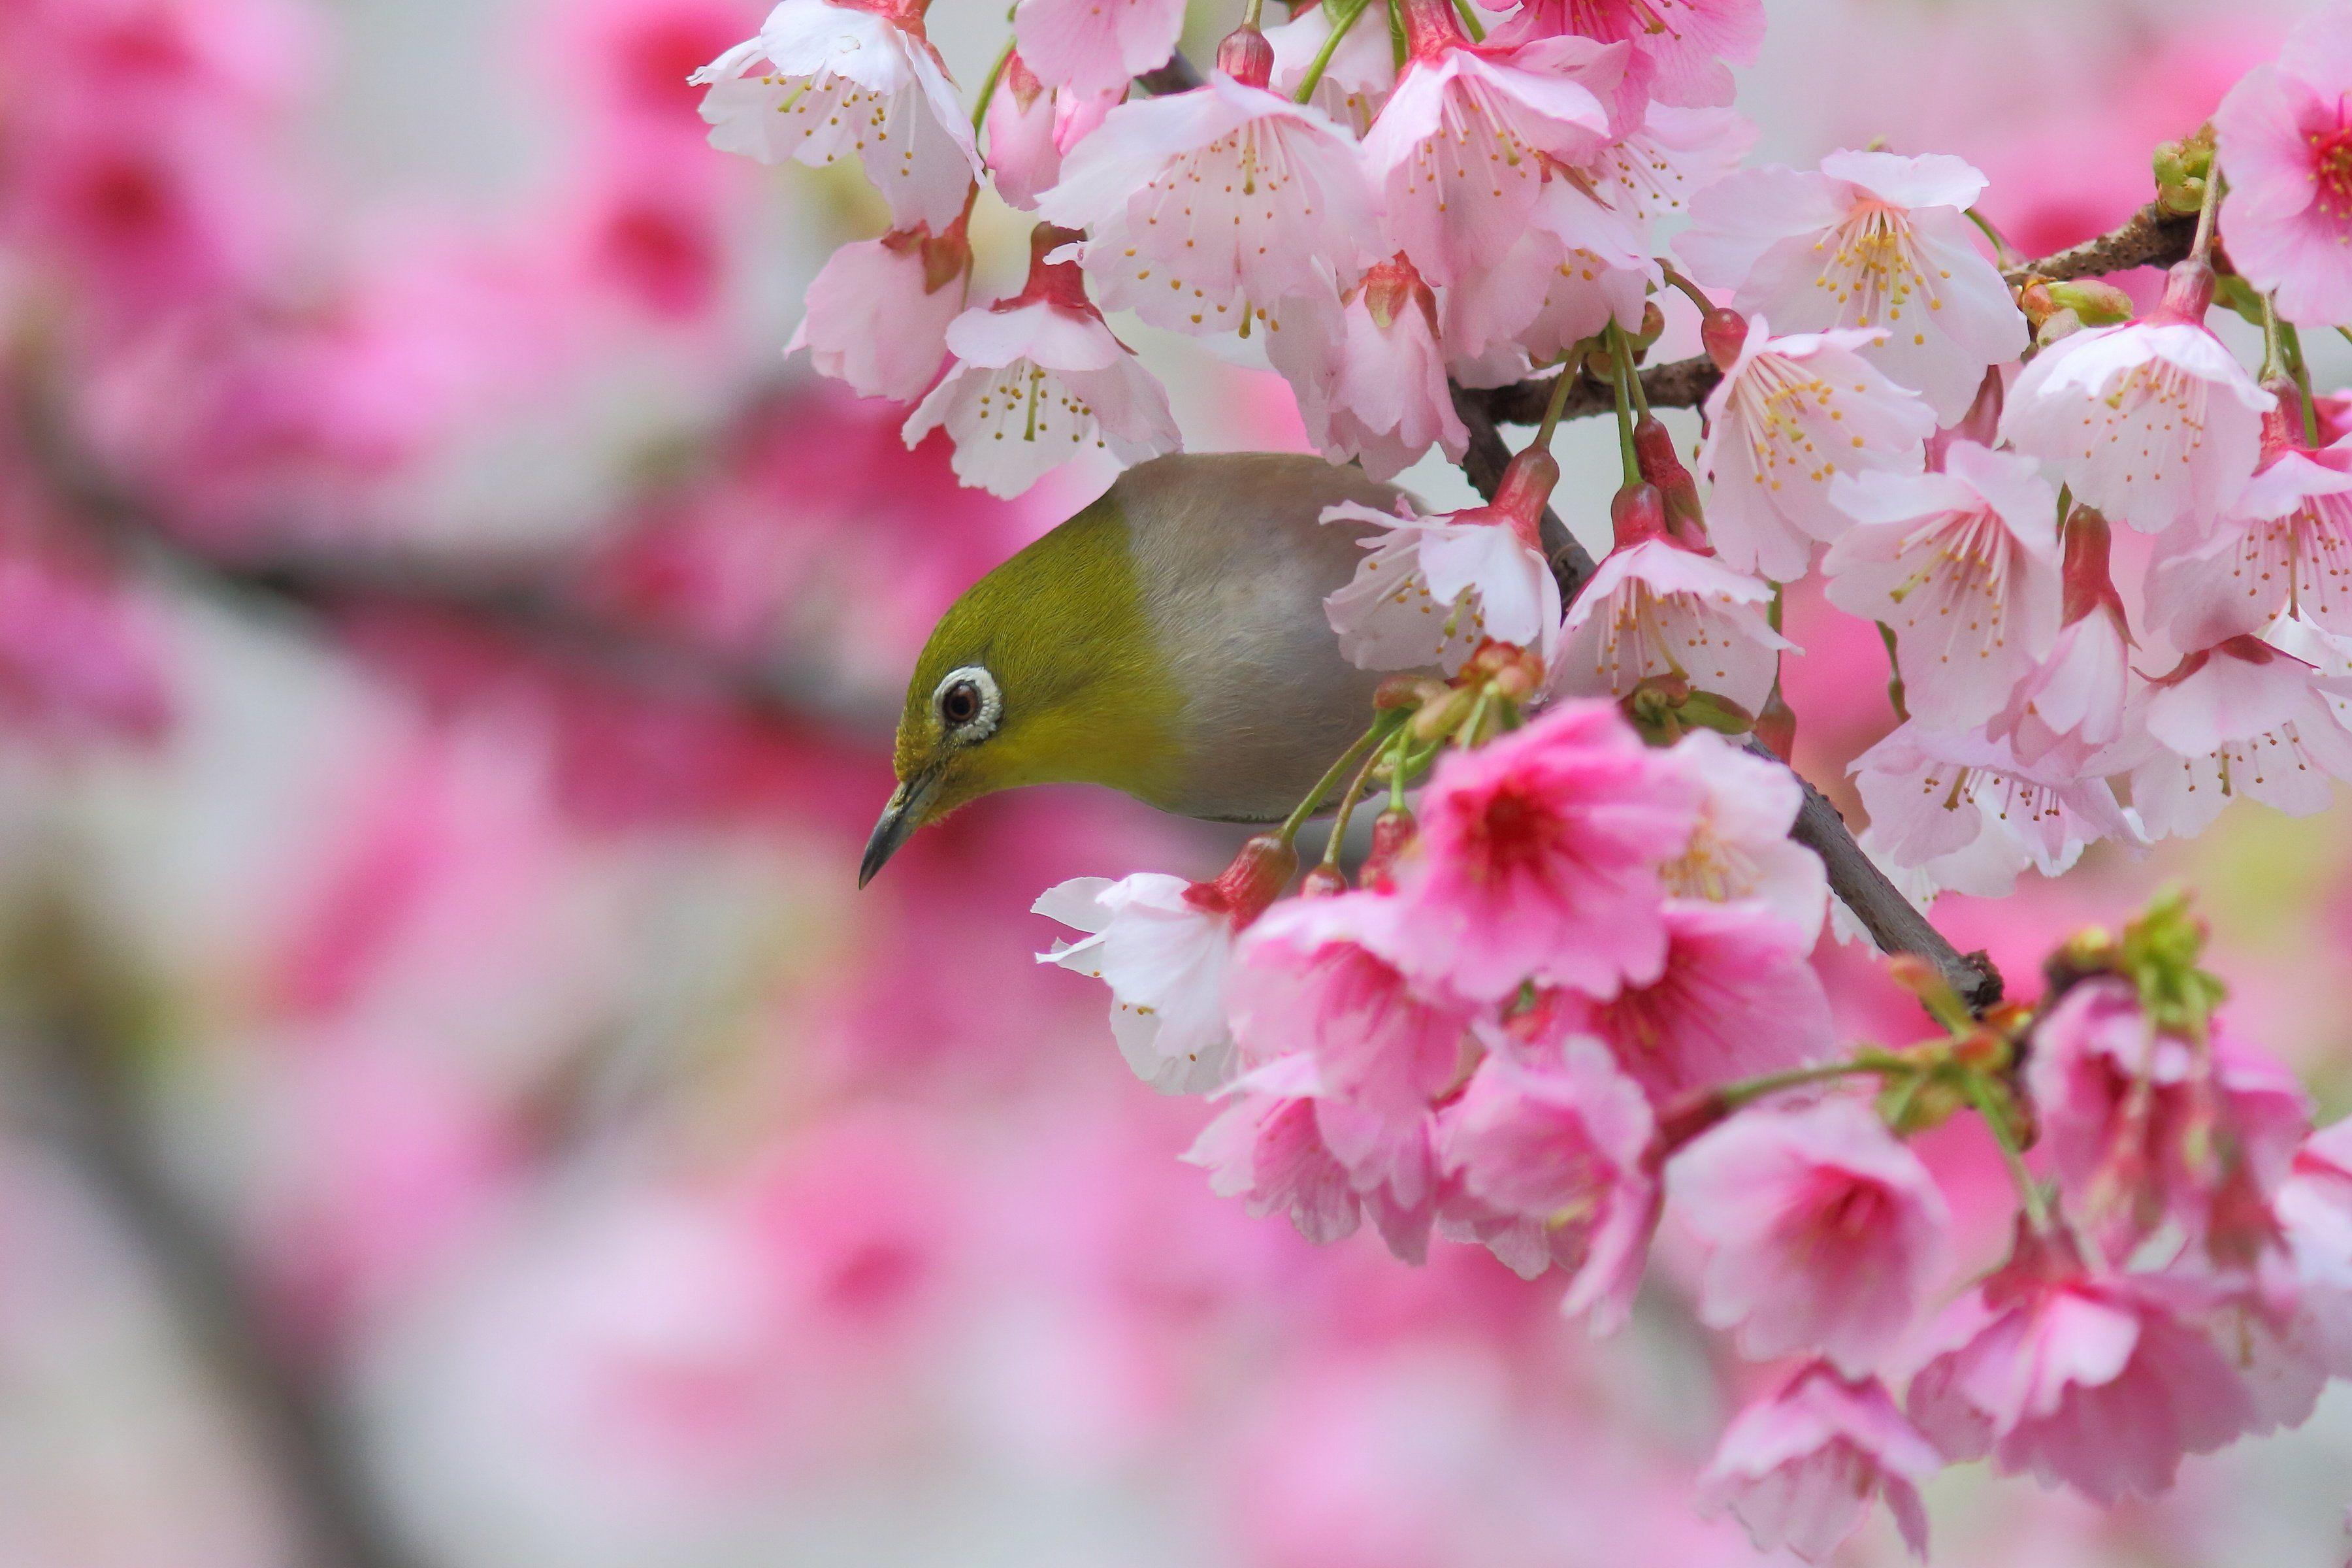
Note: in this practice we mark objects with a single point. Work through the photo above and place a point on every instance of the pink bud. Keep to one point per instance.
(1724, 333)
(1246, 56)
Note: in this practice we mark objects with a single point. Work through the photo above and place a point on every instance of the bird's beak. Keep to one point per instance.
(901, 818)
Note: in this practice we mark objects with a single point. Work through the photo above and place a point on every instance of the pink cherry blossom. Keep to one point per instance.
(1654, 171)
(1793, 413)
(1204, 208)
(1734, 997)
(1537, 858)
(2143, 1127)
(2237, 718)
(1457, 154)
(2087, 1380)
(1874, 242)
(1962, 566)
(1550, 1164)
(824, 79)
(1683, 49)
(1740, 851)
(1372, 383)
(2069, 708)
(1094, 46)
(1163, 945)
(2286, 146)
(2285, 547)
(2154, 422)
(1358, 77)
(1430, 590)
(1656, 608)
(80, 658)
(1038, 381)
(1318, 976)
(1961, 808)
(1824, 1232)
(1032, 127)
(1797, 1467)
(878, 312)
(1576, 267)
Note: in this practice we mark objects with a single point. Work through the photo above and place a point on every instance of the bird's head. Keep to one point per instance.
(1046, 671)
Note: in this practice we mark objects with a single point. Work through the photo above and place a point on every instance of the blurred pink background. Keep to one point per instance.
(457, 1109)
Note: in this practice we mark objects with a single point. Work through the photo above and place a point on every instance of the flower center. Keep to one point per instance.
(2331, 171)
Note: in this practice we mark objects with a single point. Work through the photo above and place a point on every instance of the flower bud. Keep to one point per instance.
(1246, 56)
(1324, 881)
(2181, 169)
(1724, 333)
(1637, 513)
(1393, 832)
(1776, 725)
(1442, 717)
(2097, 302)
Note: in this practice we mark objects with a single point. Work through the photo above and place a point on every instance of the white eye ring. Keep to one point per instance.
(983, 722)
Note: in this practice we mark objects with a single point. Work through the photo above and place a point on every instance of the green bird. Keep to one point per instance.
(1169, 641)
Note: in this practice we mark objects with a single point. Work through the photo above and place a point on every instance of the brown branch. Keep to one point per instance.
(2149, 238)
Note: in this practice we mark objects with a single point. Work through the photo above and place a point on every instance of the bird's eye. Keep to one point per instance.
(968, 704)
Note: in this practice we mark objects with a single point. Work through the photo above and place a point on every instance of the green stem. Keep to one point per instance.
(1559, 403)
(2291, 344)
(988, 86)
(2207, 210)
(1339, 25)
(2002, 250)
(1893, 674)
(1347, 807)
(1746, 1091)
(1470, 20)
(1624, 358)
(1397, 770)
(1252, 11)
(1692, 291)
(1364, 745)
(1996, 1121)
(2273, 352)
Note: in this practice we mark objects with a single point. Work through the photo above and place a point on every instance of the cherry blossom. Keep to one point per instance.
(1095, 46)
(1576, 267)
(1205, 207)
(1684, 48)
(1964, 810)
(1740, 851)
(1551, 1165)
(2068, 711)
(1358, 77)
(1654, 171)
(1372, 384)
(1963, 567)
(1824, 1234)
(2286, 148)
(1457, 154)
(878, 312)
(1430, 590)
(1537, 858)
(1734, 997)
(2152, 422)
(1793, 414)
(1032, 127)
(824, 79)
(1268, 1148)
(2239, 717)
(1874, 242)
(2046, 1352)
(1797, 1467)
(1656, 608)
(1038, 381)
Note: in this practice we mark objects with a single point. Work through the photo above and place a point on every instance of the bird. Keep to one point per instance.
(1168, 641)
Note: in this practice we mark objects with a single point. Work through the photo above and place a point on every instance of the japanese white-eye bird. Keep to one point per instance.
(1168, 641)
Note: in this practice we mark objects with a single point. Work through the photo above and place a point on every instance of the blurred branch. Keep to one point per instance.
(75, 1022)
(2149, 238)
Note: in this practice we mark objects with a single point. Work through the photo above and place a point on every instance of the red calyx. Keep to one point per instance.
(1638, 514)
(1724, 333)
(1431, 28)
(1246, 56)
(2188, 293)
(2089, 586)
(946, 257)
(1393, 832)
(1058, 283)
(1246, 889)
(1522, 493)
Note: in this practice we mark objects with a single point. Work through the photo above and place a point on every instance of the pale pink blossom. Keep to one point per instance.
(2285, 547)
(824, 79)
(1798, 1467)
(1203, 209)
(2154, 422)
(2144, 1128)
(1038, 381)
(1824, 1232)
(1874, 242)
(1734, 997)
(1032, 127)
(1457, 155)
(2068, 711)
(1537, 858)
(1371, 382)
(1961, 808)
(1267, 1147)
(1163, 945)
(1654, 171)
(1655, 607)
(1791, 415)
(2085, 1379)
(1431, 589)
(1358, 77)
(1683, 49)
(1963, 567)
(80, 660)
(1740, 851)
(877, 313)
(1549, 1163)
(1318, 976)
(2285, 144)
(1095, 46)
(2239, 718)
(1576, 267)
